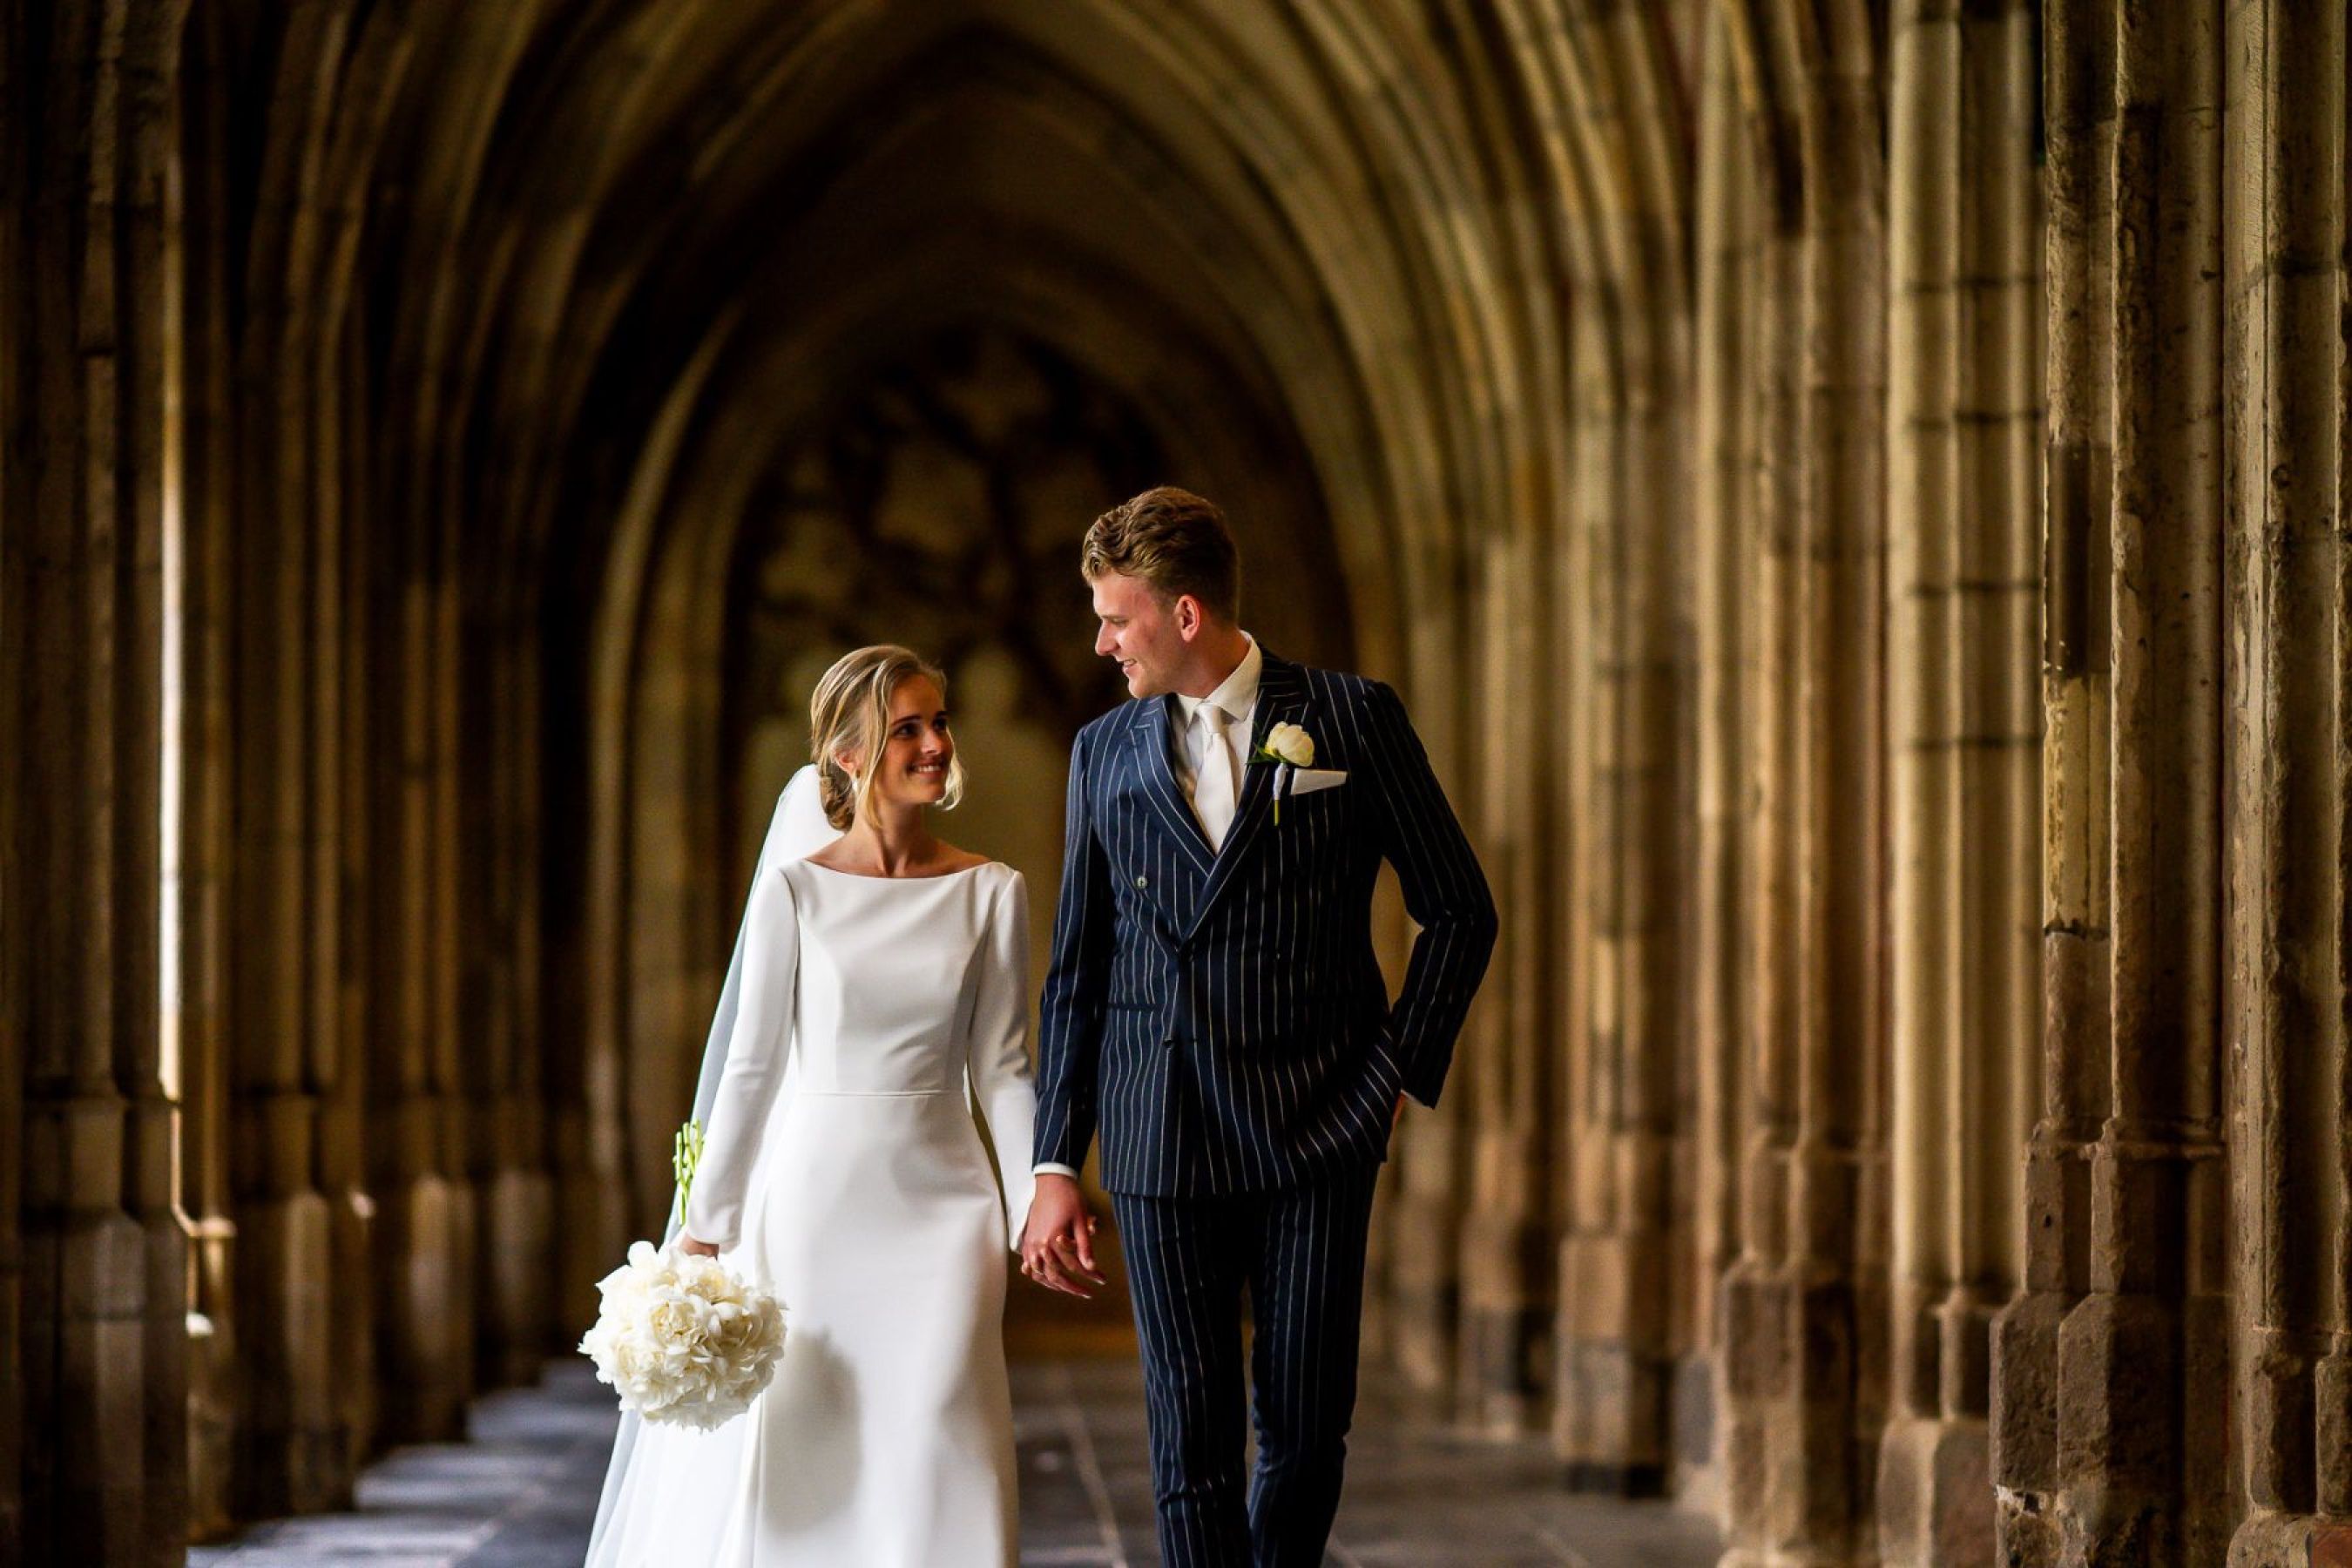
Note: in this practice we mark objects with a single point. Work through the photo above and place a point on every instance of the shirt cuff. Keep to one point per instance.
(1047, 1168)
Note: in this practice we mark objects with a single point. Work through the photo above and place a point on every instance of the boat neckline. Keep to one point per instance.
(867, 877)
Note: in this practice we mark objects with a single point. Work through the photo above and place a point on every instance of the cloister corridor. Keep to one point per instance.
(1852, 494)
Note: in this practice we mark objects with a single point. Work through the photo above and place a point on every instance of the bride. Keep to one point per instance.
(879, 969)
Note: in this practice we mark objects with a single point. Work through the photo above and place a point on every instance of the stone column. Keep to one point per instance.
(1755, 1371)
(1617, 1262)
(289, 733)
(2290, 588)
(2124, 1320)
(292, 1455)
(196, 743)
(452, 1045)
(1963, 746)
(1584, 503)
(1837, 1189)
(96, 1463)
(596, 1207)
(12, 597)
(585, 993)
(1622, 1318)
(348, 1113)
(423, 1241)
(1505, 1249)
(1729, 237)
(1807, 1327)
(515, 1265)
(2078, 53)
(1430, 1152)
(13, 1526)
(17, 107)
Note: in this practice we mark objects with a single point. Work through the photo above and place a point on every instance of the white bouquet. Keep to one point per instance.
(682, 1340)
(680, 1337)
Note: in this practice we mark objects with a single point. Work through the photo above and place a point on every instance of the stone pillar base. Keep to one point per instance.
(1498, 1394)
(2292, 1540)
(213, 1412)
(166, 1388)
(351, 1229)
(1424, 1302)
(293, 1456)
(2118, 1373)
(1756, 1381)
(85, 1406)
(1614, 1401)
(212, 1426)
(592, 1239)
(423, 1330)
(2024, 1429)
(1935, 1494)
(1696, 1483)
(12, 1397)
(2025, 1529)
(1613, 1420)
(517, 1264)
(1797, 1477)
(1506, 1330)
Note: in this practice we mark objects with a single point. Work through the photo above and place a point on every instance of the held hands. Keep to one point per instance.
(686, 1244)
(1057, 1246)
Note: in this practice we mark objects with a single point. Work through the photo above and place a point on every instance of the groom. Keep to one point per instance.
(1214, 1008)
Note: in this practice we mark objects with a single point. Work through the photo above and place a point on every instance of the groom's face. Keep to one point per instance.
(1140, 630)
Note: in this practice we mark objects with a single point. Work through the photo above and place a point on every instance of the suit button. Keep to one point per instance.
(1139, 882)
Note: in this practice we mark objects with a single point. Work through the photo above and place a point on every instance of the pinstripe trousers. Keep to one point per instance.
(1299, 1252)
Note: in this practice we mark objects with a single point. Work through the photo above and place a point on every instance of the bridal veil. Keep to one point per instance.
(797, 829)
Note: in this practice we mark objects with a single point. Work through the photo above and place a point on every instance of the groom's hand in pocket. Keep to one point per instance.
(1057, 1246)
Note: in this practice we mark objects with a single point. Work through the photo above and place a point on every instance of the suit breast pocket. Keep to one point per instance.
(1314, 829)
(1306, 781)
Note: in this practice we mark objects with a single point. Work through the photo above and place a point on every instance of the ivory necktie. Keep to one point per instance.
(1213, 791)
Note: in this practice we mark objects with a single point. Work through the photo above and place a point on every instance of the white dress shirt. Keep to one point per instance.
(1236, 696)
(1188, 743)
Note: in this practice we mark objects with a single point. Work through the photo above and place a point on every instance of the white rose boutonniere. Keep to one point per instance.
(1289, 748)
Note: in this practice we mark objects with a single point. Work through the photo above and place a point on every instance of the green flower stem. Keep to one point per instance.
(686, 1153)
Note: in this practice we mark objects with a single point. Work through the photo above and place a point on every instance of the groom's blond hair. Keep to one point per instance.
(1173, 540)
(850, 711)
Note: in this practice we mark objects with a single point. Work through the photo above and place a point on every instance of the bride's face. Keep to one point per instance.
(916, 748)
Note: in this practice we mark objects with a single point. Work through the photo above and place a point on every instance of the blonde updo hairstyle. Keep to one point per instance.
(850, 711)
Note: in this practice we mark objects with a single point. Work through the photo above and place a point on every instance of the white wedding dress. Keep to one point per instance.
(842, 1167)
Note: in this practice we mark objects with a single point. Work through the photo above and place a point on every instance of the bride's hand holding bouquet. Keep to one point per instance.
(680, 1337)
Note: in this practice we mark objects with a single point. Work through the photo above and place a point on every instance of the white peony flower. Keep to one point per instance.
(682, 1340)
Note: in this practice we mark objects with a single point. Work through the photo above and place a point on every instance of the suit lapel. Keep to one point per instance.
(1148, 736)
(1281, 699)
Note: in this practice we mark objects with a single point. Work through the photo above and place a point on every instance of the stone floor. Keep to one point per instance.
(522, 1492)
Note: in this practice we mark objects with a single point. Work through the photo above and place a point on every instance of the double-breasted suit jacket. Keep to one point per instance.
(1219, 1017)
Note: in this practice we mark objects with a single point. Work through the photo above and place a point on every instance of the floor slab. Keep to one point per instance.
(522, 1492)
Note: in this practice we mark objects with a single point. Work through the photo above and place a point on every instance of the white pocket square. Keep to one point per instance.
(1307, 780)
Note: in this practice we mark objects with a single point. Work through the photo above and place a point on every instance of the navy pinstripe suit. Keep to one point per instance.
(1220, 1018)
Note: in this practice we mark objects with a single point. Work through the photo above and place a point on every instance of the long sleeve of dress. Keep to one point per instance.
(756, 1054)
(998, 1050)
